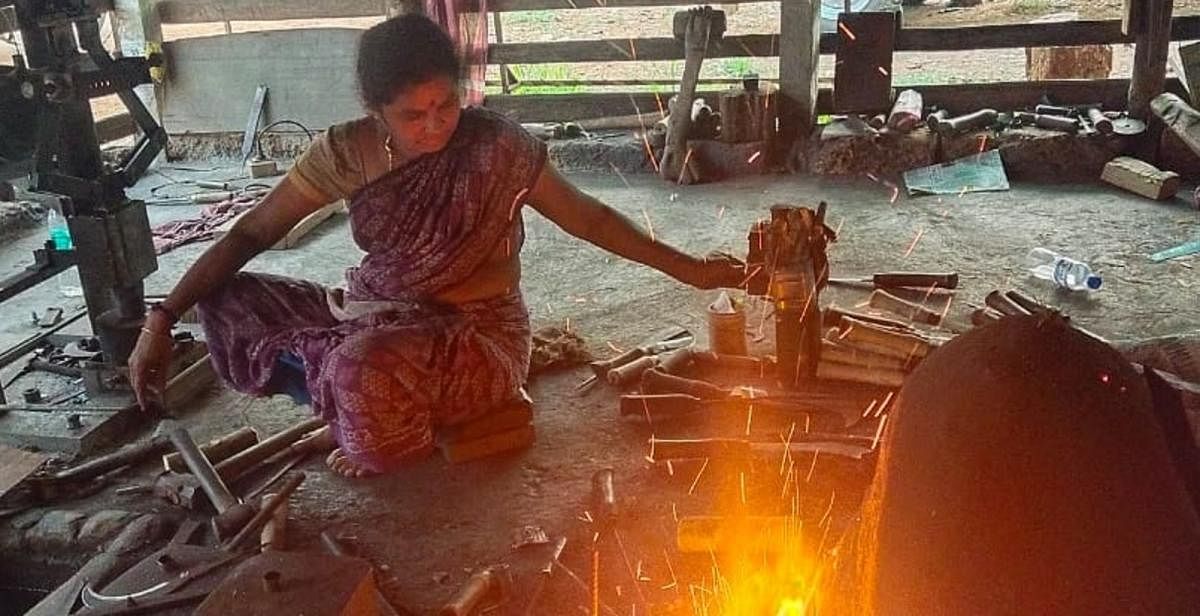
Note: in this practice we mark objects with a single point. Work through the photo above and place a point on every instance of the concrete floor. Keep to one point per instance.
(430, 525)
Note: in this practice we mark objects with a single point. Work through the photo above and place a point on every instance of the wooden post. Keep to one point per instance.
(1153, 39)
(799, 58)
(138, 32)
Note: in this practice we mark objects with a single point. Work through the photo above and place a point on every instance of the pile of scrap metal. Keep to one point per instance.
(832, 369)
(908, 113)
(242, 568)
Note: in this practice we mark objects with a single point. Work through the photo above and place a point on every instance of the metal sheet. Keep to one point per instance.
(319, 584)
(862, 78)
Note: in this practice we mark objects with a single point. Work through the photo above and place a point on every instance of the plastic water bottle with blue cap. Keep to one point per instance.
(60, 235)
(1063, 271)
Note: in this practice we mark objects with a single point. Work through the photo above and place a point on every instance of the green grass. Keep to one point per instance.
(1030, 7)
(529, 17)
(544, 72)
(926, 78)
(735, 67)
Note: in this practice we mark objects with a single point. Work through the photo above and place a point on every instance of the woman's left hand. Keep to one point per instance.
(717, 270)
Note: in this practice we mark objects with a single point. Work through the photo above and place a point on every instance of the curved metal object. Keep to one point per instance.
(91, 598)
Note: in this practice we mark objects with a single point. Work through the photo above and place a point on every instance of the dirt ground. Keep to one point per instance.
(429, 526)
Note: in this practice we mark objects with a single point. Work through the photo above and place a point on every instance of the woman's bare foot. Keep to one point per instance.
(342, 465)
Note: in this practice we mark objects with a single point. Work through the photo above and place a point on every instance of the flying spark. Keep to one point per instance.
(754, 157)
(983, 141)
(846, 31)
(650, 151)
(649, 225)
(695, 481)
(620, 175)
(684, 168)
(882, 71)
(879, 431)
(913, 245)
(721, 213)
(512, 211)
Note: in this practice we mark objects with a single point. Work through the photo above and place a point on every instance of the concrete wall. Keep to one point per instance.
(309, 74)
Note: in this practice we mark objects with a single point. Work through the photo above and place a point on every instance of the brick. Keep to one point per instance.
(511, 440)
(501, 420)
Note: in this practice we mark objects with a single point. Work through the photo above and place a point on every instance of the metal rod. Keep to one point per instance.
(218, 493)
(23, 347)
(260, 519)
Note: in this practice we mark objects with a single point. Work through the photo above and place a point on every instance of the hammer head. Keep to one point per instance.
(715, 18)
(229, 522)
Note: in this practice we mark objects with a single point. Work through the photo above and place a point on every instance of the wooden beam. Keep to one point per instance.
(207, 11)
(138, 33)
(628, 50)
(800, 36)
(1062, 34)
(115, 127)
(958, 98)
(1058, 34)
(1150, 56)
(505, 6)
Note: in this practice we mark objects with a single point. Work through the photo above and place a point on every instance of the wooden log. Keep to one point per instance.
(1085, 62)
(1189, 70)
(1141, 178)
(1180, 118)
(748, 116)
(274, 532)
(1150, 56)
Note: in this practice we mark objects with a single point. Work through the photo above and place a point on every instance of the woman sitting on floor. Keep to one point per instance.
(431, 328)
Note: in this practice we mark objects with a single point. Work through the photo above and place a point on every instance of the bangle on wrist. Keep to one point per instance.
(162, 309)
(150, 332)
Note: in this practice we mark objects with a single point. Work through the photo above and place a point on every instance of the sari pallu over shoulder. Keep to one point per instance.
(428, 225)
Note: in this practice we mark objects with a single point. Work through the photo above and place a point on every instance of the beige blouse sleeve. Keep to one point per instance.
(332, 166)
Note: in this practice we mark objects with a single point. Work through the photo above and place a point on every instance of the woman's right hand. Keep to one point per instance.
(148, 367)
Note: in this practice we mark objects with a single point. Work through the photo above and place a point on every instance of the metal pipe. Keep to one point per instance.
(216, 490)
(264, 515)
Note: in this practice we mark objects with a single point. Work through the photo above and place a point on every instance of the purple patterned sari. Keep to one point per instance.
(386, 378)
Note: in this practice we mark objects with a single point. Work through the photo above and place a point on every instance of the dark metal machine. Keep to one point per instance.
(48, 136)
(788, 261)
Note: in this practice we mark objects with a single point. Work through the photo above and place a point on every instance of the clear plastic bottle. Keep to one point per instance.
(60, 235)
(1062, 271)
